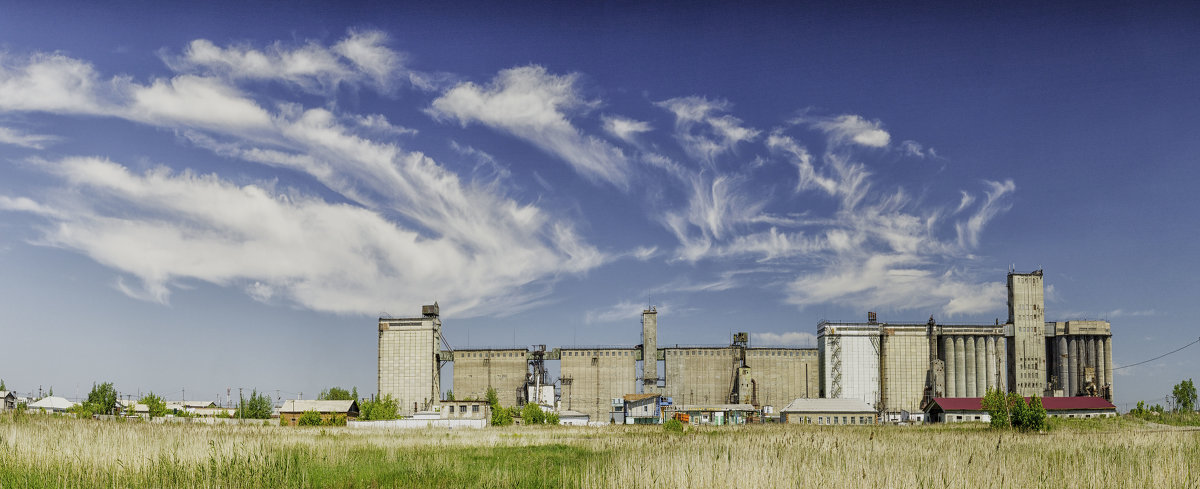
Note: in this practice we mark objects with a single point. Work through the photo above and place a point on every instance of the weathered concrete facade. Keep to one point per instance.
(477, 370)
(1026, 314)
(782, 375)
(1080, 357)
(408, 360)
(699, 375)
(591, 378)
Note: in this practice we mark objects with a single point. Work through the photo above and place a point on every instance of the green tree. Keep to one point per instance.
(449, 395)
(1013, 411)
(259, 406)
(1028, 415)
(338, 394)
(382, 408)
(500, 416)
(102, 398)
(2, 387)
(533, 414)
(552, 419)
(997, 405)
(309, 418)
(1184, 395)
(156, 405)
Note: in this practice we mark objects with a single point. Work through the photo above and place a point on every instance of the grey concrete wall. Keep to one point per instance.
(595, 377)
(699, 375)
(477, 370)
(781, 375)
(906, 366)
(1027, 315)
(408, 367)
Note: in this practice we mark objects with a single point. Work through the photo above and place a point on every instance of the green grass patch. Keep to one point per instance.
(299, 465)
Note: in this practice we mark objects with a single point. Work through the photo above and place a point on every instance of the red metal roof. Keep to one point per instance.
(960, 403)
(1050, 403)
(1066, 403)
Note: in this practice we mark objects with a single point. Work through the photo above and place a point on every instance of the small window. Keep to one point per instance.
(451, 409)
(475, 408)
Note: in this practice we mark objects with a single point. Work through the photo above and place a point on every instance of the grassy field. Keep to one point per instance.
(41, 451)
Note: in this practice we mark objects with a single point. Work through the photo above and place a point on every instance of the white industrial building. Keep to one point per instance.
(896, 367)
(409, 367)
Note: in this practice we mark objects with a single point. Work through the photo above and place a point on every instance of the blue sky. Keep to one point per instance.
(222, 196)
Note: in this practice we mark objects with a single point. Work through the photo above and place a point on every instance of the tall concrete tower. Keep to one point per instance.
(1026, 314)
(650, 350)
(408, 359)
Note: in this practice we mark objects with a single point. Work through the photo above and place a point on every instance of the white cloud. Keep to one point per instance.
(362, 57)
(532, 104)
(995, 203)
(623, 128)
(912, 148)
(196, 101)
(24, 140)
(849, 128)
(165, 228)
(791, 338)
(703, 128)
(173, 227)
(50, 82)
(624, 311)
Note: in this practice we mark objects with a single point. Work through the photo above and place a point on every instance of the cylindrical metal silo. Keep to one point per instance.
(969, 350)
(1002, 354)
(1061, 359)
(1090, 348)
(1108, 369)
(980, 366)
(1072, 366)
(991, 364)
(948, 357)
(960, 368)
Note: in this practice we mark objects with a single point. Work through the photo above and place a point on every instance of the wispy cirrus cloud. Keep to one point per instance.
(849, 128)
(362, 57)
(533, 104)
(25, 140)
(407, 220)
(624, 128)
(624, 311)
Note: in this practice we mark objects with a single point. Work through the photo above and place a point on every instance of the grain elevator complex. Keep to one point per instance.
(895, 368)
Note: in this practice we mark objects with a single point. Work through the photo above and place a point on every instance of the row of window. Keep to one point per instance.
(835, 420)
(490, 355)
(463, 408)
(723, 352)
(618, 353)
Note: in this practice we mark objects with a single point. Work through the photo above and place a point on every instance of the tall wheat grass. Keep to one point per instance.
(55, 452)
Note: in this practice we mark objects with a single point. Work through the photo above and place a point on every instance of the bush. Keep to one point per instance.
(673, 426)
(309, 418)
(381, 408)
(259, 406)
(552, 419)
(533, 414)
(156, 405)
(103, 398)
(1013, 411)
(335, 420)
(501, 416)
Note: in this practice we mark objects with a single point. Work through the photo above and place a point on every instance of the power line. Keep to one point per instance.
(1160, 356)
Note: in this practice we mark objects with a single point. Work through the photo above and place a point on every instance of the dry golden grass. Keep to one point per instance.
(38, 451)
